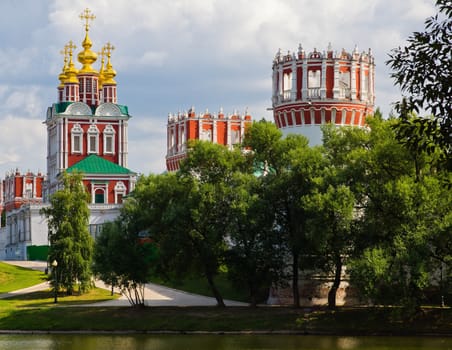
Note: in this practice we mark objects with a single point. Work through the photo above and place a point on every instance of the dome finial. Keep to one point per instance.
(87, 57)
(102, 54)
(109, 72)
(62, 77)
(87, 15)
(71, 71)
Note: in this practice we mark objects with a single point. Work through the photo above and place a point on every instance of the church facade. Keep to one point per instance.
(87, 132)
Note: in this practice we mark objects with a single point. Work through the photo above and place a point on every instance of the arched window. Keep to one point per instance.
(93, 139)
(344, 84)
(206, 135)
(76, 139)
(120, 192)
(314, 79)
(314, 83)
(99, 196)
(287, 82)
(109, 140)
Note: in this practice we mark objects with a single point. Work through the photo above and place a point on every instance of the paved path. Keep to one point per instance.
(154, 295)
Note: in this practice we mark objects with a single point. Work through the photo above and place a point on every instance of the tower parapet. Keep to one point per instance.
(316, 88)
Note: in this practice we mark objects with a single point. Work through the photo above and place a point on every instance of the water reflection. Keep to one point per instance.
(217, 342)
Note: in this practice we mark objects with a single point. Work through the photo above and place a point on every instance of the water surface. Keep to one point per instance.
(218, 342)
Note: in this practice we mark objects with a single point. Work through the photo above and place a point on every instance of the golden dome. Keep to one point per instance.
(62, 77)
(102, 70)
(109, 73)
(87, 56)
(70, 71)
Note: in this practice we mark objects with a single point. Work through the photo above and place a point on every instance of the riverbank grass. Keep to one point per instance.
(37, 312)
(15, 278)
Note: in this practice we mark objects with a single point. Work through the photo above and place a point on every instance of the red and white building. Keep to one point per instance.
(87, 132)
(316, 88)
(227, 130)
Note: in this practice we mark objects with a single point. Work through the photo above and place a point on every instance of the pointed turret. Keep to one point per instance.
(71, 83)
(108, 82)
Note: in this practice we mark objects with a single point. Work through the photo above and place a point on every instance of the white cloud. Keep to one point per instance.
(23, 144)
(173, 54)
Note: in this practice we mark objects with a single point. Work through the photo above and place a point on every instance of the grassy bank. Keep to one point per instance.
(36, 311)
(14, 277)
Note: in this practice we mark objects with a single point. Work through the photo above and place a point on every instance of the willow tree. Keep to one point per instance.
(71, 245)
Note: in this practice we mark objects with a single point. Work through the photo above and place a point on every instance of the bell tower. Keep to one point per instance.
(87, 130)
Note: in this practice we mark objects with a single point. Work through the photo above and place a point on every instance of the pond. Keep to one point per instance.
(217, 342)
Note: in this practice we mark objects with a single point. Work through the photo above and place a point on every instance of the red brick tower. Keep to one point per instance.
(312, 89)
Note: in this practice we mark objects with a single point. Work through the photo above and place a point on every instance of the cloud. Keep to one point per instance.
(23, 144)
(171, 55)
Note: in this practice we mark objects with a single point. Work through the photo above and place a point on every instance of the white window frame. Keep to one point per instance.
(109, 134)
(93, 140)
(120, 189)
(77, 139)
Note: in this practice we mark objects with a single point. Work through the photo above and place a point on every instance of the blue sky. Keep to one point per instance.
(171, 55)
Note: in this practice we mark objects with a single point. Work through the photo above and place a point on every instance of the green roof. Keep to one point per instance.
(62, 106)
(96, 165)
(124, 109)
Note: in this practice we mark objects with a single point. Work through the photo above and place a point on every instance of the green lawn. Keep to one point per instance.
(200, 286)
(37, 311)
(14, 277)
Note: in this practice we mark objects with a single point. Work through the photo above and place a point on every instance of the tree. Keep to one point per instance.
(122, 259)
(332, 224)
(337, 200)
(70, 242)
(203, 208)
(423, 69)
(255, 254)
(405, 230)
(291, 169)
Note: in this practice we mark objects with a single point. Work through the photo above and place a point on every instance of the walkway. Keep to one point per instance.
(154, 295)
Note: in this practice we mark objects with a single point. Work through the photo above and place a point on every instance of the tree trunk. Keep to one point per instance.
(337, 280)
(215, 291)
(295, 290)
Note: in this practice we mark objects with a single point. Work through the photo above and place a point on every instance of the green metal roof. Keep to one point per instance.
(124, 109)
(62, 106)
(96, 165)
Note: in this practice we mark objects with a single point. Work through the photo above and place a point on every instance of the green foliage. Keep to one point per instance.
(255, 255)
(123, 259)
(423, 70)
(291, 169)
(71, 245)
(405, 223)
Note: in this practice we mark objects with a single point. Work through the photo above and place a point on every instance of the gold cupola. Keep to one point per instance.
(102, 68)
(62, 77)
(109, 73)
(87, 56)
(70, 71)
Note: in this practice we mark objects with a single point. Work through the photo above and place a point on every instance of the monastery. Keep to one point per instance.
(87, 131)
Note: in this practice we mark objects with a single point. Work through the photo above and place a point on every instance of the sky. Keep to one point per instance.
(172, 55)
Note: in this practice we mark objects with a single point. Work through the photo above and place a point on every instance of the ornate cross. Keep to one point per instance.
(87, 16)
(108, 49)
(69, 48)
